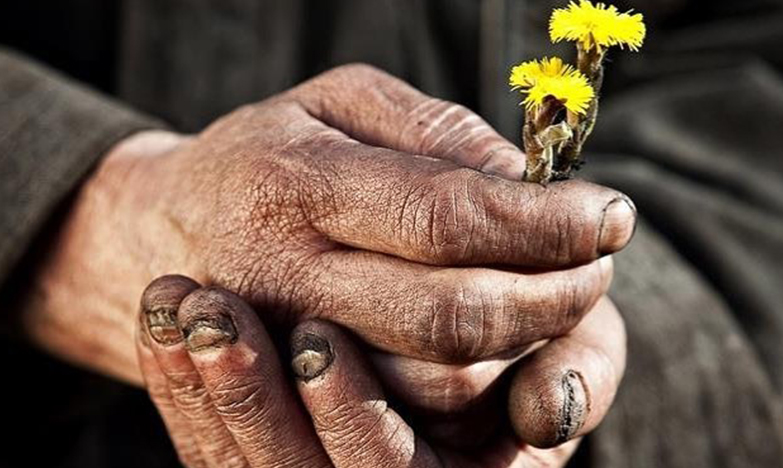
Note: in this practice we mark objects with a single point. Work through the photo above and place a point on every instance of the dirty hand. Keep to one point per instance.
(355, 199)
(352, 198)
(225, 398)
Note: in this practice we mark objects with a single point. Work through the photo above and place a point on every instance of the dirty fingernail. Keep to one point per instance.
(575, 407)
(162, 325)
(159, 305)
(312, 356)
(202, 333)
(617, 226)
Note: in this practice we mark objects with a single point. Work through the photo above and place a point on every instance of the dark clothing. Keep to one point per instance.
(691, 129)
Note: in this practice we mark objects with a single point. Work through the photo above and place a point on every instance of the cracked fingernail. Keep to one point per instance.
(575, 406)
(159, 305)
(312, 356)
(162, 325)
(617, 226)
(208, 332)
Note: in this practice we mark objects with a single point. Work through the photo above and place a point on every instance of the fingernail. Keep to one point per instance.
(575, 406)
(312, 356)
(617, 226)
(214, 331)
(162, 325)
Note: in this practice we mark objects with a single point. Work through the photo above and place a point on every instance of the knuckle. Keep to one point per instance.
(453, 218)
(425, 120)
(460, 314)
(565, 239)
(352, 71)
(369, 429)
(191, 398)
(243, 401)
(435, 126)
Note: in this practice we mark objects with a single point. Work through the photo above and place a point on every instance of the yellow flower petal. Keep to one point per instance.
(551, 77)
(597, 26)
(527, 73)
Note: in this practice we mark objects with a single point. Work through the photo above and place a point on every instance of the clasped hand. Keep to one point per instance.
(352, 200)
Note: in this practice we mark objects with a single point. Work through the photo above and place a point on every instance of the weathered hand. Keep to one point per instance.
(225, 399)
(218, 382)
(560, 391)
(345, 199)
(358, 427)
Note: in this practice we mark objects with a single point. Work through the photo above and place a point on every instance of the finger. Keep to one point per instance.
(457, 406)
(241, 372)
(349, 410)
(566, 388)
(451, 315)
(431, 211)
(156, 384)
(438, 388)
(160, 304)
(379, 109)
(445, 400)
(442, 388)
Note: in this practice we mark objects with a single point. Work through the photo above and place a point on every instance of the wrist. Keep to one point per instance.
(85, 289)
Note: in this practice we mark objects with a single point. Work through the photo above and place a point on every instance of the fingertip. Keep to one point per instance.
(590, 221)
(312, 355)
(347, 405)
(618, 225)
(312, 349)
(208, 318)
(551, 411)
(566, 389)
(160, 302)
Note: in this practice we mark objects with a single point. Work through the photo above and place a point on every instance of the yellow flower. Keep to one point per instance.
(551, 77)
(597, 26)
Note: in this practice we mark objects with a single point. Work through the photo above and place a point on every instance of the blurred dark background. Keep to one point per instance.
(691, 129)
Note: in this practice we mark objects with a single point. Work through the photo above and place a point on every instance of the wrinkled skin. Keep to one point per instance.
(226, 400)
(355, 199)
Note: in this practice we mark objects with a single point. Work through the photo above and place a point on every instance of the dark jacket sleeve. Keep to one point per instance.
(52, 132)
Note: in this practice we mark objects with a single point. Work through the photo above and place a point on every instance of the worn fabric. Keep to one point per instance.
(51, 133)
(690, 128)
